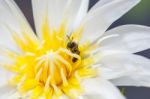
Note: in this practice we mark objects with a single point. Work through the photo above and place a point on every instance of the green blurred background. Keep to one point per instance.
(140, 14)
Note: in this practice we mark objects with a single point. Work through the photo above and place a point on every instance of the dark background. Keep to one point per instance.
(138, 15)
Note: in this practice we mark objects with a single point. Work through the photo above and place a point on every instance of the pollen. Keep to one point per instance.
(44, 69)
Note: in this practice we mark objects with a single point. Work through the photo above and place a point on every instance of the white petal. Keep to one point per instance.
(132, 38)
(116, 65)
(75, 11)
(125, 69)
(39, 12)
(97, 88)
(98, 21)
(6, 40)
(72, 10)
(3, 77)
(63, 97)
(58, 11)
(4, 74)
(100, 4)
(81, 97)
(6, 92)
(81, 13)
(16, 21)
(112, 73)
(11, 21)
(139, 76)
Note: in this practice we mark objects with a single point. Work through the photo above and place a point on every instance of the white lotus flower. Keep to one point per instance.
(72, 55)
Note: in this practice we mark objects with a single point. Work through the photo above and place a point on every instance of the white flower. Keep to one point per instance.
(72, 55)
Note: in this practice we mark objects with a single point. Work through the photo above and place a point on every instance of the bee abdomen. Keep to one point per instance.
(74, 59)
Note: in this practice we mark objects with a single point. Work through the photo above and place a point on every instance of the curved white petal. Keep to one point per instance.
(12, 21)
(75, 11)
(63, 97)
(3, 77)
(4, 74)
(125, 69)
(100, 4)
(16, 21)
(100, 88)
(39, 12)
(116, 65)
(98, 21)
(81, 13)
(6, 39)
(7, 92)
(132, 38)
(139, 76)
(81, 97)
(58, 11)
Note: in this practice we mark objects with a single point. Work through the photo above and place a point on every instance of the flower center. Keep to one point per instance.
(54, 68)
(51, 68)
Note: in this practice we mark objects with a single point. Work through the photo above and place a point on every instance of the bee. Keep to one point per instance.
(73, 47)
